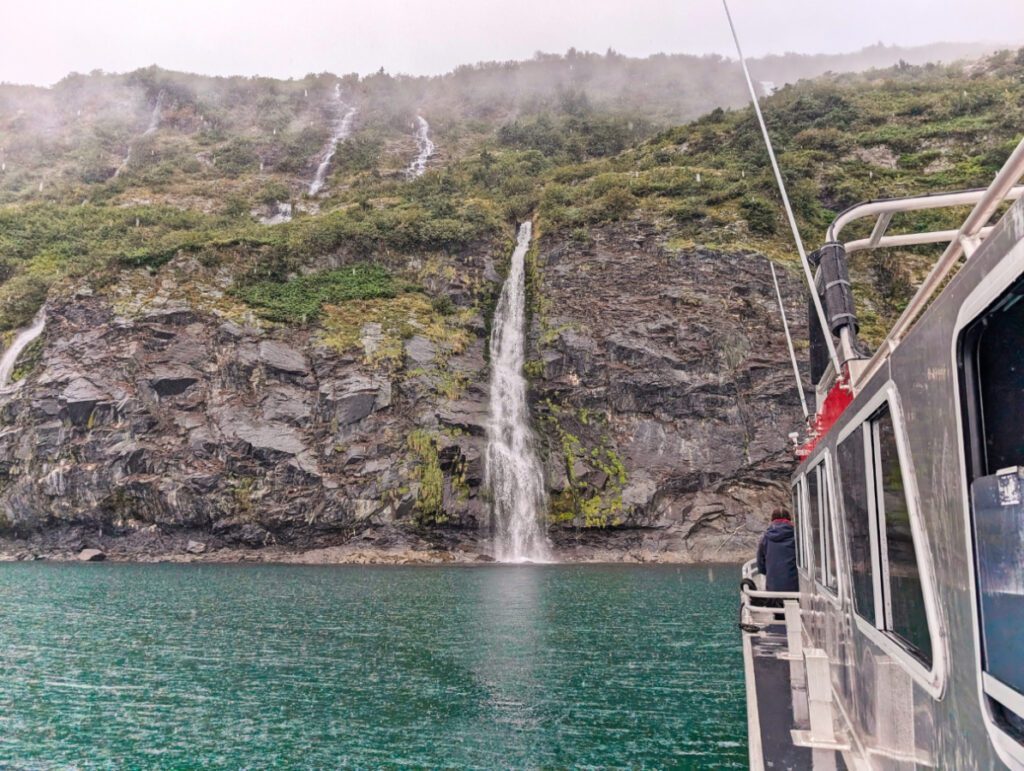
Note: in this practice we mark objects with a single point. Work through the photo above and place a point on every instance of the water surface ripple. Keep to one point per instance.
(223, 666)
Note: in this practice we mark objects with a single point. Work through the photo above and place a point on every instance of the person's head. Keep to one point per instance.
(780, 514)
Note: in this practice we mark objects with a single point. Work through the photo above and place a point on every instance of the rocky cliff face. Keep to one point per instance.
(665, 395)
(661, 393)
(137, 431)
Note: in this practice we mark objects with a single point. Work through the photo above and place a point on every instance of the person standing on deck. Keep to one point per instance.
(776, 554)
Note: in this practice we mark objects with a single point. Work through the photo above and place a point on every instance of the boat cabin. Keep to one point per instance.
(904, 646)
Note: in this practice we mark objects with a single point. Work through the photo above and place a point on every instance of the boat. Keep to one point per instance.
(904, 645)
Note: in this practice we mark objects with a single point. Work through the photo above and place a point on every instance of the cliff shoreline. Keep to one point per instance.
(626, 545)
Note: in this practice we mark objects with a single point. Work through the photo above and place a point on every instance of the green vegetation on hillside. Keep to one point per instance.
(571, 156)
(299, 300)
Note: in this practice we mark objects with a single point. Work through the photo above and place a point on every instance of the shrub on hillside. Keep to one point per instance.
(299, 300)
(759, 214)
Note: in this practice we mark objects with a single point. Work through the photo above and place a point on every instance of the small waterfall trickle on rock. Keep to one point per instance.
(280, 212)
(154, 124)
(513, 472)
(426, 147)
(155, 116)
(342, 128)
(21, 341)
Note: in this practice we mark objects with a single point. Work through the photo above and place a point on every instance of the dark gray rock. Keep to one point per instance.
(172, 381)
(464, 415)
(352, 398)
(171, 316)
(420, 350)
(287, 404)
(265, 441)
(80, 397)
(283, 358)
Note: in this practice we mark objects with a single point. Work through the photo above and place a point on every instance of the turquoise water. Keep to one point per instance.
(223, 666)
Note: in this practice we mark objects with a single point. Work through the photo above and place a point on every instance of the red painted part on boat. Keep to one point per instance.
(838, 399)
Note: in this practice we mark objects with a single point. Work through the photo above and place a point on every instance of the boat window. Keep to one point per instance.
(885, 572)
(905, 615)
(851, 458)
(993, 391)
(831, 577)
(1000, 386)
(822, 530)
(798, 523)
(814, 517)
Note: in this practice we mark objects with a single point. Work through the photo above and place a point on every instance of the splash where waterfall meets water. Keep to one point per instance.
(342, 128)
(424, 144)
(22, 340)
(513, 472)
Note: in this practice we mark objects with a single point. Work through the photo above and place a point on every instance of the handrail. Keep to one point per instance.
(760, 594)
(908, 239)
(966, 239)
(887, 207)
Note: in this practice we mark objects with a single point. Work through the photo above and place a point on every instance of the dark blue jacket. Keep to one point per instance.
(776, 557)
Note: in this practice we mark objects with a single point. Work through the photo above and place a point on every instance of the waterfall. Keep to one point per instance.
(281, 212)
(155, 116)
(342, 128)
(154, 124)
(513, 472)
(426, 147)
(21, 341)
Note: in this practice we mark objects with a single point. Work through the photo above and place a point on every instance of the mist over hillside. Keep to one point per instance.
(86, 127)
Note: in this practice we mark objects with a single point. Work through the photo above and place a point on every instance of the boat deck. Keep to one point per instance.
(777, 705)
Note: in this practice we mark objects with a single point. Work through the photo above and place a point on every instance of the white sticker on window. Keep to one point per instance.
(1008, 480)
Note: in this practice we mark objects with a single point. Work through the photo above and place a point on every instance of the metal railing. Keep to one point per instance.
(887, 209)
(752, 588)
(962, 242)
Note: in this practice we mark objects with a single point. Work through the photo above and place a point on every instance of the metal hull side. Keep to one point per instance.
(896, 718)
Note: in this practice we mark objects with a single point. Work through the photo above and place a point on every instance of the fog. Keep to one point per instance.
(43, 40)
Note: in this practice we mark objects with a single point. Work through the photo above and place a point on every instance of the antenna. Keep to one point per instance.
(789, 209)
(789, 343)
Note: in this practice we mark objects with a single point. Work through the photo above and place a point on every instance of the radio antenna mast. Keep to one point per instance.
(819, 310)
(789, 343)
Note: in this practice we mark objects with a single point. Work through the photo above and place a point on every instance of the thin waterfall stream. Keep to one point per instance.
(342, 128)
(21, 341)
(425, 148)
(154, 123)
(513, 472)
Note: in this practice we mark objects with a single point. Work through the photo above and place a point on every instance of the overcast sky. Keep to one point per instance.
(43, 40)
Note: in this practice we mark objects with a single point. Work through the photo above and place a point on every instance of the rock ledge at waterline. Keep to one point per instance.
(622, 546)
(137, 432)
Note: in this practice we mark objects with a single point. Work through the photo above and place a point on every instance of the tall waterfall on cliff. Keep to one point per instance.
(21, 341)
(426, 147)
(342, 128)
(513, 472)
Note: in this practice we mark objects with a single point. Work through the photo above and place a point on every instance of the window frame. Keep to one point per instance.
(798, 490)
(874, 550)
(822, 465)
(880, 528)
(976, 304)
(932, 679)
